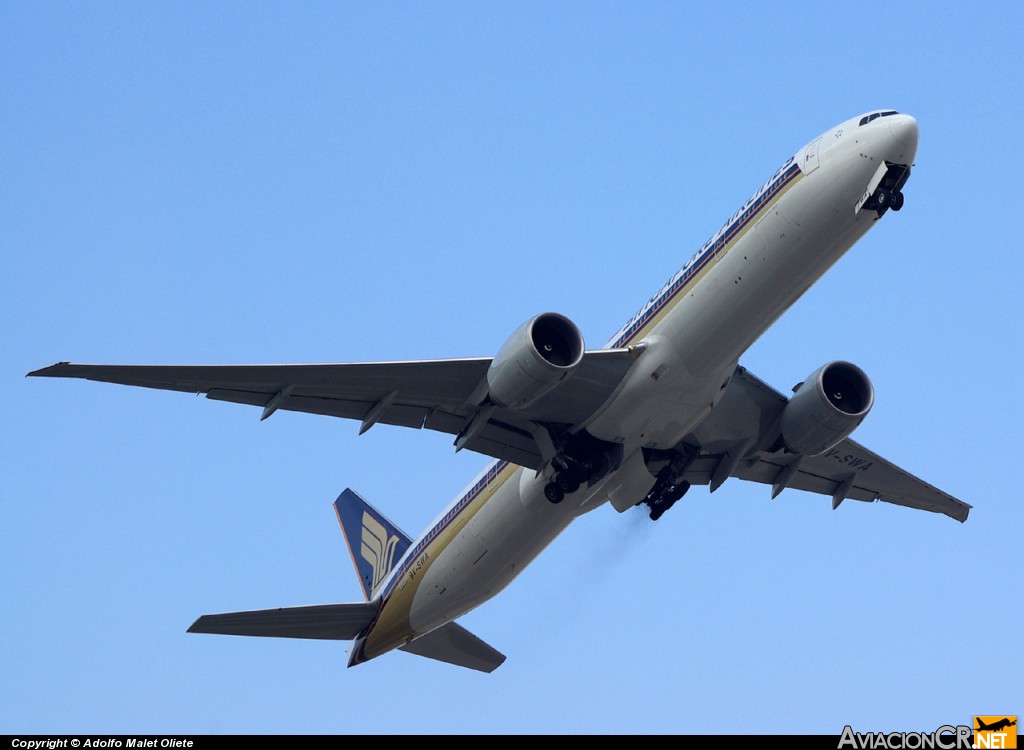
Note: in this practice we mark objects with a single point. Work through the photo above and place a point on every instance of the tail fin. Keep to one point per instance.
(374, 542)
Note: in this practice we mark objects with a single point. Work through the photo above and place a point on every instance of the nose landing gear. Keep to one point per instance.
(885, 198)
(889, 193)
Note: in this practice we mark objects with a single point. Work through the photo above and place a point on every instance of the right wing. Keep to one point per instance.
(748, 417)
(847, 471)
(439, 394)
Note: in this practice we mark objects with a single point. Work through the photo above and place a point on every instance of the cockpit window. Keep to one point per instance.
(868, 118)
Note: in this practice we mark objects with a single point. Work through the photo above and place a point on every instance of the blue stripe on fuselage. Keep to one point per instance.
(713, 247)
(478, 487)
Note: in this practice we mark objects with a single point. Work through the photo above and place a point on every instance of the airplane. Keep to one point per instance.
(664, 405)
(995, 726)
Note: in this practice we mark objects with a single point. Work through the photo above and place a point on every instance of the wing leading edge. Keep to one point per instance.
(425, 394)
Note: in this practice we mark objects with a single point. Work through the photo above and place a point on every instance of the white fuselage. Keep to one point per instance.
(693, 332)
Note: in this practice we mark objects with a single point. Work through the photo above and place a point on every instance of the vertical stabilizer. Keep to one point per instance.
(375, 543)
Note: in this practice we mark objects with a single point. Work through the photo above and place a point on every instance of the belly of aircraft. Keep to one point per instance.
(695, 347)
(496, 545)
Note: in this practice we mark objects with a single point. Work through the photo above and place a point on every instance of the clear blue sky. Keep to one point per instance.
(239, 182)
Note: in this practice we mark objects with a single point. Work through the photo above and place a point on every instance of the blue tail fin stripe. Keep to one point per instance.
(374, 542)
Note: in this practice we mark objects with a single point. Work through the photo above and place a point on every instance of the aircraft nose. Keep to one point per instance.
(904, 130)
(899, 145)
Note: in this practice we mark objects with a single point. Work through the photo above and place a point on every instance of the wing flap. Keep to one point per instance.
(767, 471)
(401, 415)
(437, 394)
(334, 622)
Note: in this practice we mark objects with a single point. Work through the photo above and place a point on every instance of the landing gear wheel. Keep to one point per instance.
(566, 483)
(659, 507)
(897, 201)
(664, 499)
(553, 493)
(882, 198)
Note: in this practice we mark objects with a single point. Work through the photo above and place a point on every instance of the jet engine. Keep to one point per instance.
(826, 408)
(541, 353)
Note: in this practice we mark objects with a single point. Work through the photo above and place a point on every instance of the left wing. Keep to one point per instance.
(440, 394)
(747, 417)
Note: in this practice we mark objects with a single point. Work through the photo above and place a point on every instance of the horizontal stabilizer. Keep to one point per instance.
(332, 622)
(453, 644)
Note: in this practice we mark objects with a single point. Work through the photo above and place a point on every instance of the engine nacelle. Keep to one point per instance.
(541, 353)
(826, 408)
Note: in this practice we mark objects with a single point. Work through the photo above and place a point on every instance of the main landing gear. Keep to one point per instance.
(583, 459)
(670, 485)
(662, 502)
(567, 480)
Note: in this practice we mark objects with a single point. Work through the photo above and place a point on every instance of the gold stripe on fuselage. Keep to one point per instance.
(392, 628)
(653, 323)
